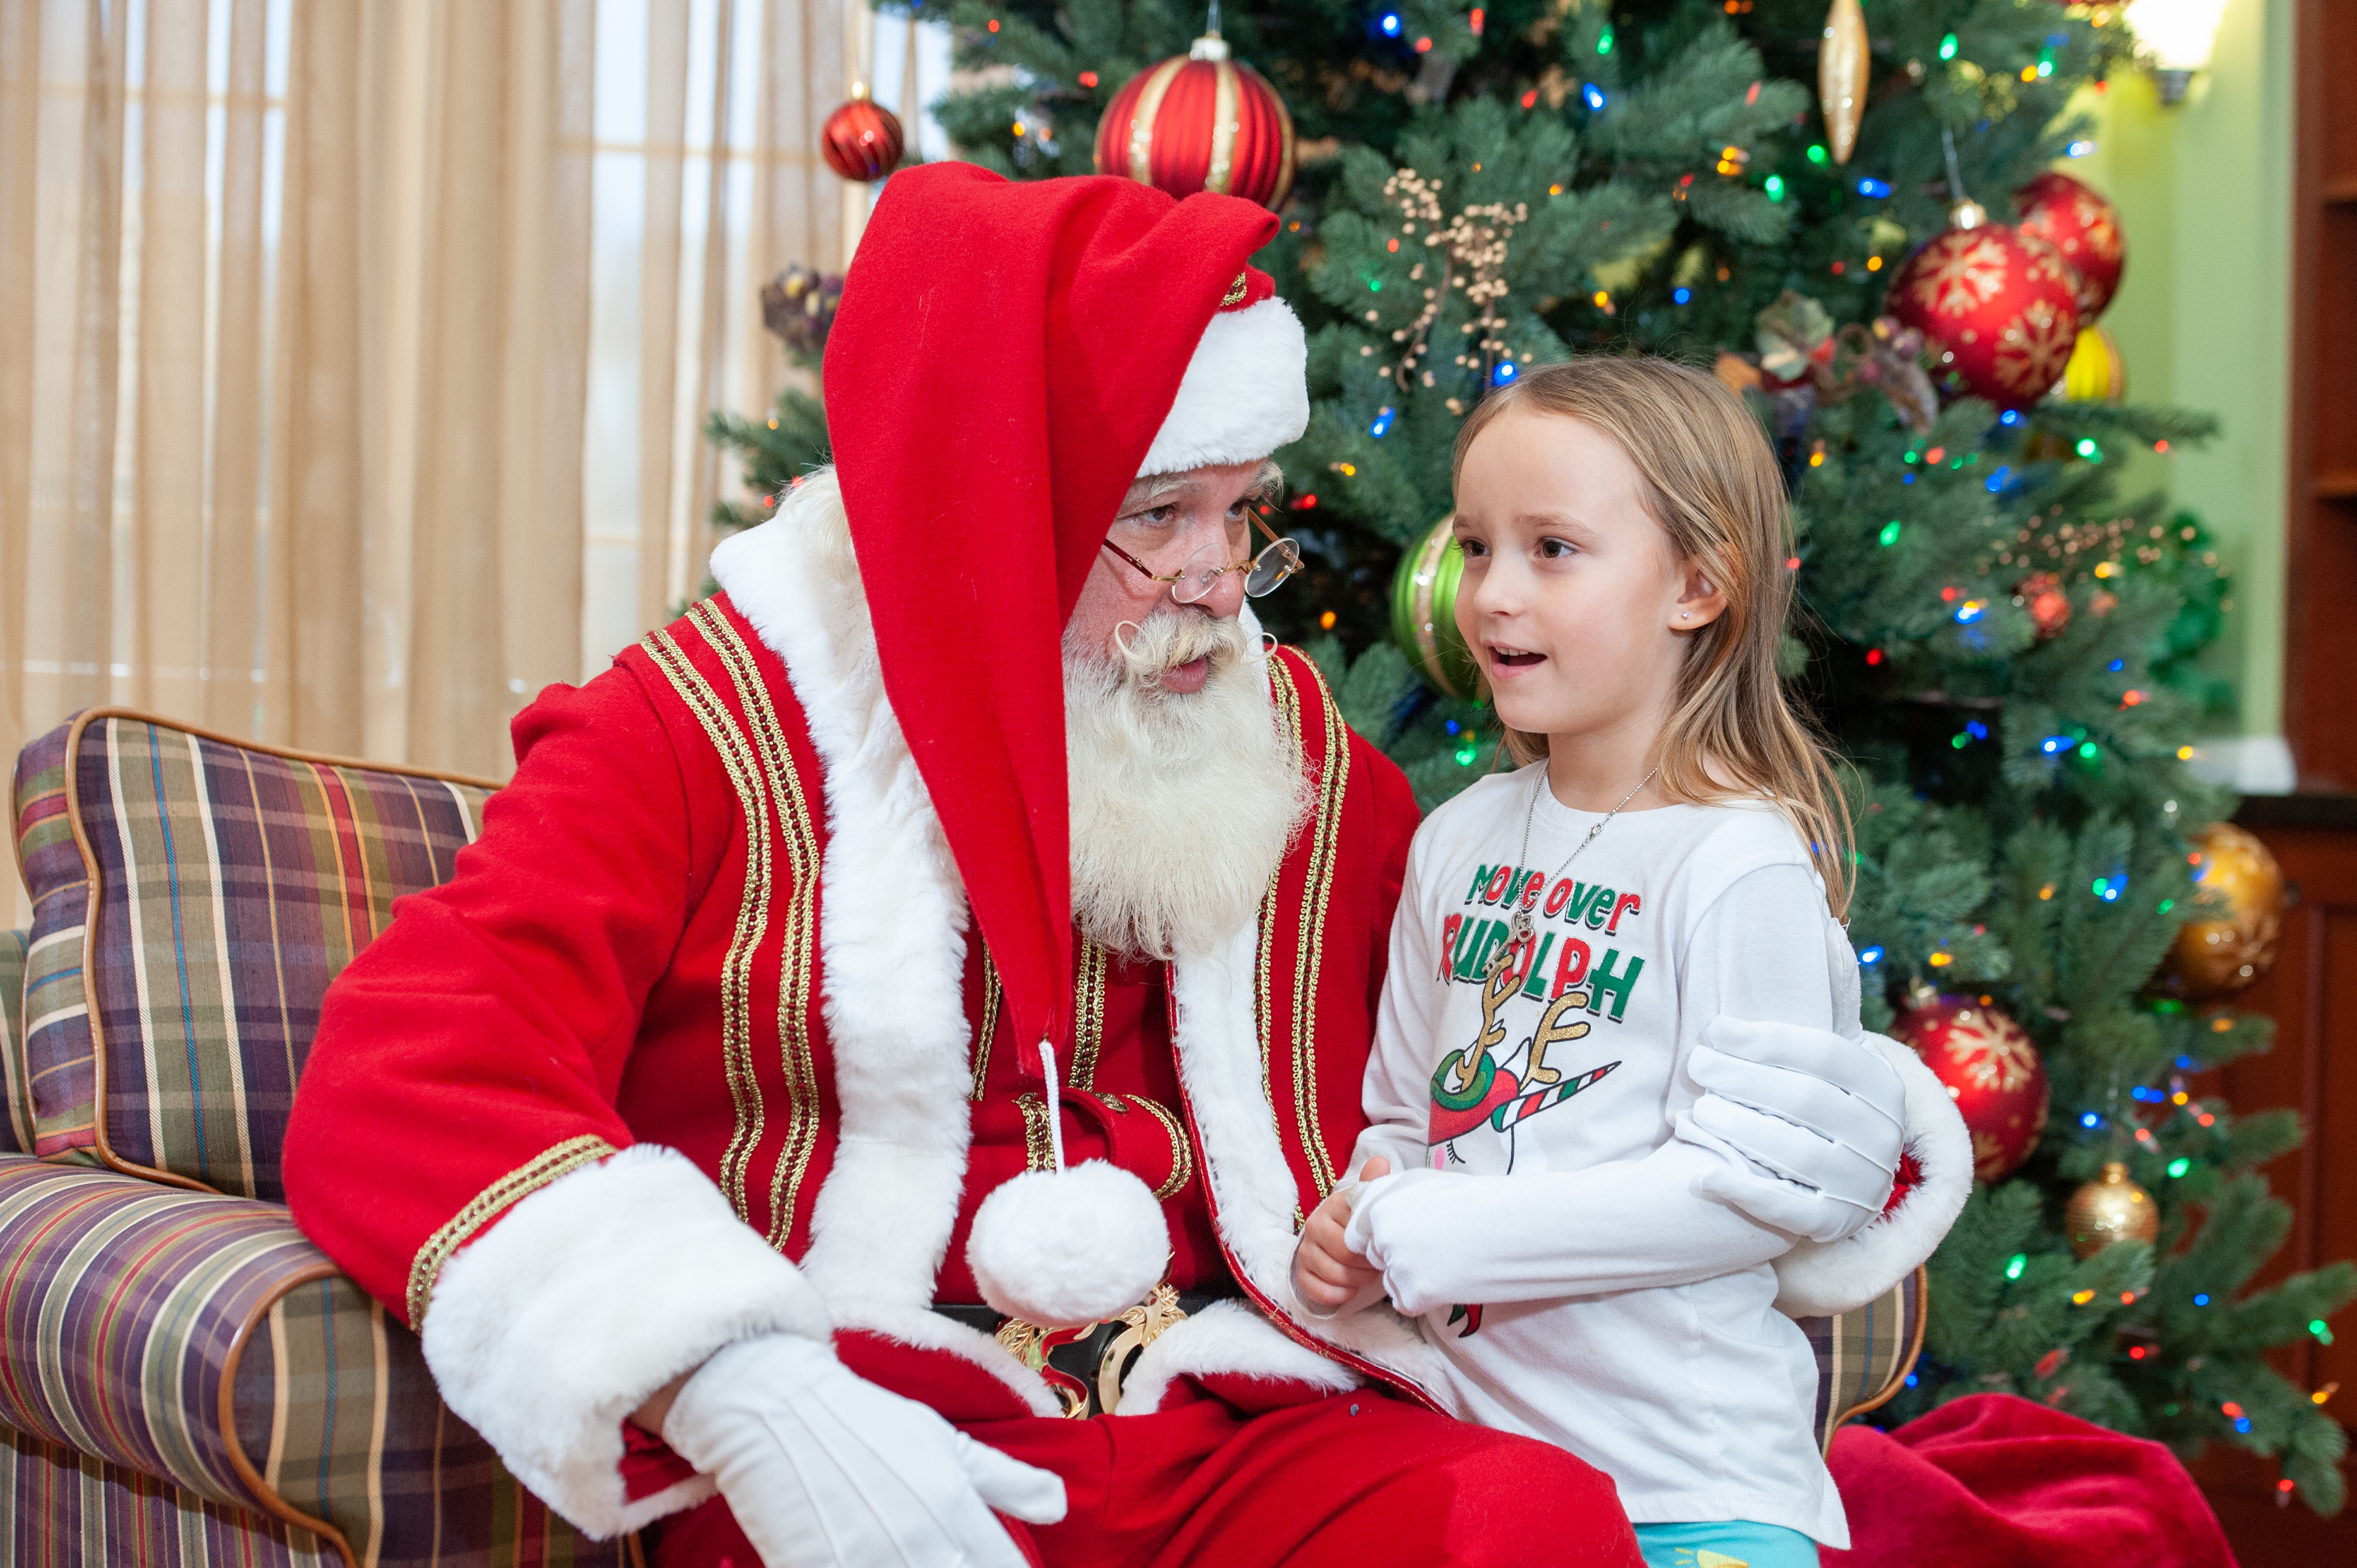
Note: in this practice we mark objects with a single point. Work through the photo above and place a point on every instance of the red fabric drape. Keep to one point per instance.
(1995, 1481)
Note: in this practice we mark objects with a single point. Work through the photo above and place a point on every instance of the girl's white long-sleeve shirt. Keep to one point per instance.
(1579, 1287)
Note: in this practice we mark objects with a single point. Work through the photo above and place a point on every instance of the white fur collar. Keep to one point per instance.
(892, 915)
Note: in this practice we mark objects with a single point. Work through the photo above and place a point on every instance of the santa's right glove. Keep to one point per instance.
(825, 1469)
(1818, 1119)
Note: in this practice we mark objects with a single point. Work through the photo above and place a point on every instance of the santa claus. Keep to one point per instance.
(856, 1102)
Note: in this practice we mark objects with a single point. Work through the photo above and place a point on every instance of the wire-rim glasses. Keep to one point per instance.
(1264, 572)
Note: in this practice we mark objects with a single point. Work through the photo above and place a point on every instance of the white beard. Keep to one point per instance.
(1182, 804)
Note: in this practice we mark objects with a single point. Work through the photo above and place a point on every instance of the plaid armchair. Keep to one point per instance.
(184, 1378)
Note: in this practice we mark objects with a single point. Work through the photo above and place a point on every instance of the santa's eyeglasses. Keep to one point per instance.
(1278, 560)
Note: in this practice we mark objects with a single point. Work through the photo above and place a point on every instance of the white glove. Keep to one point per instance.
(1823, 1116)
(825, 1469)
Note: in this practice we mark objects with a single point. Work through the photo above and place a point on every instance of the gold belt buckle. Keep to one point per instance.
(1148, 1321)
(1143, 1325)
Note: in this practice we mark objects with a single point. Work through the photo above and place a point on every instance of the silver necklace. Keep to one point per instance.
(1520, 924)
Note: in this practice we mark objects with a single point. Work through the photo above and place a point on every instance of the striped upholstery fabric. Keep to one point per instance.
(232, 884)
(63, 1510)
(17, 1127)
(55, 1012)
(126, 1306)
(1865, 1354)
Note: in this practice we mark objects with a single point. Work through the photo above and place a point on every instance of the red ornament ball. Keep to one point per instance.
(2085, 227)
(2000, 307)
(1992, 1071)
(862, 140)
(2042, 594)
(1200, 122)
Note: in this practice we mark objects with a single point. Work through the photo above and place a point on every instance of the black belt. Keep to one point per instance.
(1086, 1366)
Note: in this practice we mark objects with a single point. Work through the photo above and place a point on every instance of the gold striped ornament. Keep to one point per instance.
(1200, 121)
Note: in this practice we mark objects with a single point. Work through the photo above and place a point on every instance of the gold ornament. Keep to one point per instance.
(1840, 76)
(2095, 372)
(2110, 1209)
(2217, 956)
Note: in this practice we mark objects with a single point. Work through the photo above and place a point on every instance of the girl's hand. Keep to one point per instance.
(1325, 1274)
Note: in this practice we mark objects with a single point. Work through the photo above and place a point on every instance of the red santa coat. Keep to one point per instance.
(713, 914)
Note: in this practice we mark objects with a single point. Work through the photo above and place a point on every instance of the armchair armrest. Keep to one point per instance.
(204, 1340)
(1865, 1354)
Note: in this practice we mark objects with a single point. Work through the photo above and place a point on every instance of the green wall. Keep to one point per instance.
(2203, 314)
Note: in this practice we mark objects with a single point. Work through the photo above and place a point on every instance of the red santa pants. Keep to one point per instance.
(1269, 1474)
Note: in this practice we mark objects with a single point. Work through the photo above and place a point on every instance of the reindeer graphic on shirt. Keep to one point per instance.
(1479, 1086)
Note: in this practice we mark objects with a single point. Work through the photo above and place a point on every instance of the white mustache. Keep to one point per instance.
(1151, 649)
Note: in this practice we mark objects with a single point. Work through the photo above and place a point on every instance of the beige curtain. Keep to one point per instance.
(714, 230)
(302, 305)
(341, 511)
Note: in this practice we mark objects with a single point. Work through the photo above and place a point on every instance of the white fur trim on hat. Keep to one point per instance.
(1245, 394)
(1059, 1248)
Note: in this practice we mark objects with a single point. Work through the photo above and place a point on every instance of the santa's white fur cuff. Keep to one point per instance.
(588, 1296)
(1226, 1339)
(1818, 1279)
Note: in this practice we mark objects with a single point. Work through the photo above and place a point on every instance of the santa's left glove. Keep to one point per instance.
(825, 1469)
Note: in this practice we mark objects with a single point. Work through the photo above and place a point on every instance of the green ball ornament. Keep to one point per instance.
(1424, 614)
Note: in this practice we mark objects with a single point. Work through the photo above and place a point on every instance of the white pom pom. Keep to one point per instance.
(1060, 1249)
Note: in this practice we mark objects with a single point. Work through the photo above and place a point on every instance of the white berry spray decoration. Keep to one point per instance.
(1470, 248)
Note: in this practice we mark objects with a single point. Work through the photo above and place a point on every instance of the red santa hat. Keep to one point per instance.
(1007, 360)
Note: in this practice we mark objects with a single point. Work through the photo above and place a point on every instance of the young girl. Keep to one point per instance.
(1672, 849)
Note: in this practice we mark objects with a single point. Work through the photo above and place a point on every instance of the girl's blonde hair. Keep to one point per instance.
(1711, 481)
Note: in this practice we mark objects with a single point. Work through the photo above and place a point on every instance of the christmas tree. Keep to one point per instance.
(1999, 642)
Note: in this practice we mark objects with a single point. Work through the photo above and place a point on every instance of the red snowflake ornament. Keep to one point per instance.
(2000, 308)
(1992, 1071)
(2085, 228)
